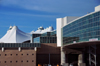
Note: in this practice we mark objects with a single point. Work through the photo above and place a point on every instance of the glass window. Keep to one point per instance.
(83, 29)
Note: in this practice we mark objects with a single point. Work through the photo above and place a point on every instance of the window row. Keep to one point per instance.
(80, 34)
(16, 54)
(83, 23)
(48, 34)
(45, 40)
(8, 45)
(82, 29)
(17, 61)
(79, 27)
(94, 16)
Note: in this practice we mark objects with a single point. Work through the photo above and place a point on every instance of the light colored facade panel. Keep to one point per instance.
(59, 23)
(69, 19)
(97, 8)
(64, 21)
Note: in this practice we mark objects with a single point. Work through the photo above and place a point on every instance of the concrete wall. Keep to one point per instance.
(97, 8)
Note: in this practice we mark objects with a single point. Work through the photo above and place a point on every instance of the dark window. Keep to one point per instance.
(32, 60)
(5, 54)
(32, 54)
(27, 54)
(11, 54)
(16, 61)
(27, 60)
(22, 61)
(0, 54)
(5, 61)
(16, 54)
(21, 54)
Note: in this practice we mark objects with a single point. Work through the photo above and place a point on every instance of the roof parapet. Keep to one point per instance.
(97, 8)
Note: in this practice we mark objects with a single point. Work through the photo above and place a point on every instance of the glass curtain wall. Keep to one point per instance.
(48, 37)
(83, 29)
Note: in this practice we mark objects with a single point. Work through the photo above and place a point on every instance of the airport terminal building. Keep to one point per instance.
(75, 42)
(79, 38)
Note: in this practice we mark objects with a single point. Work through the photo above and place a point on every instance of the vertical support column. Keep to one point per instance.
(19, 48)
(63, 58)
(81, 60)
(89, 57)
(2, 49)
(35, 48)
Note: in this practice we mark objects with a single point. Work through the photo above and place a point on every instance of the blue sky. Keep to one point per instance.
(28, 15)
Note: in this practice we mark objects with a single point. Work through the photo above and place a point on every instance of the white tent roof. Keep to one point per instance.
(41, 30)
(14, 35)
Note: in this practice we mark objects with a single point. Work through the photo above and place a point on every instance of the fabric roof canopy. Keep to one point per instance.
(14, 35)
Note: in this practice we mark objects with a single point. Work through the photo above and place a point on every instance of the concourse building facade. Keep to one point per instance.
(39, 48)
(79, 39)
(48, 53)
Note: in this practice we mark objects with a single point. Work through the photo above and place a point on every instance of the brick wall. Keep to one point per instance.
(13, 57)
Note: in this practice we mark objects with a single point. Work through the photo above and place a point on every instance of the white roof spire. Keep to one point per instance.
(14, 35)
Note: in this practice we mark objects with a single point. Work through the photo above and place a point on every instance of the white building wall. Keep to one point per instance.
(64, 21)
(61, 22)
(97, 8)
